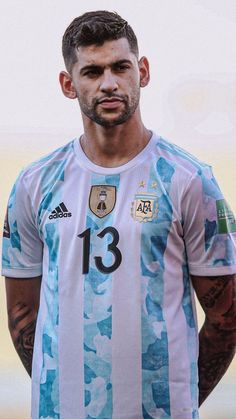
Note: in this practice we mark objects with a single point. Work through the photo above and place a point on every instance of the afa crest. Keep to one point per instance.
(144, 207)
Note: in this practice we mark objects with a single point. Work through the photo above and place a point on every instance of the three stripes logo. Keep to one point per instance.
(60, 212)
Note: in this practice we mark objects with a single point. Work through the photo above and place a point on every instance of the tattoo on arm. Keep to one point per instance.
(218, 335)
(22, 323)
(209, 299)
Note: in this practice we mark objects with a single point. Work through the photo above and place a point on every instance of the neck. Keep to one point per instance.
(114, 146)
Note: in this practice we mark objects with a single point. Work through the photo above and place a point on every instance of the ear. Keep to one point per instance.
(67, 85)
(144, 71)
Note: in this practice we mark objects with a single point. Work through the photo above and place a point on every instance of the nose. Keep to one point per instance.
(108, 82)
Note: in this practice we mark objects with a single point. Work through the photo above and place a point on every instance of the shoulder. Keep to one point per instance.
(181, 160)
(36, 179)
(181, 173)
(47, 169)
(52, 160)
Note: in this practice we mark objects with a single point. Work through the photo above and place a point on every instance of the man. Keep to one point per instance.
(105, 240)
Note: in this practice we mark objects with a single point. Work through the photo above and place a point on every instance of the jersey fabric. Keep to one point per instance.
(116, 334)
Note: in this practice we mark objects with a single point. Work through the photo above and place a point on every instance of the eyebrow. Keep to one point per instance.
(99, 67)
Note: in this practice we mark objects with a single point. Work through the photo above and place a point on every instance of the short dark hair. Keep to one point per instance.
(94, 28)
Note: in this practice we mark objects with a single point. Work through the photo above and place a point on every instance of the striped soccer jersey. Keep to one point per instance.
(116, 333)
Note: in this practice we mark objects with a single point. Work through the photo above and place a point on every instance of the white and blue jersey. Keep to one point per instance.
(116, 334)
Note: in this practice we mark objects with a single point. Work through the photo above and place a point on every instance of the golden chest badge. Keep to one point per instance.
(102, 199)
(144, 207)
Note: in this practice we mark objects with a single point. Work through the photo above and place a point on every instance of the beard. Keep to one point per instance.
(103, 118)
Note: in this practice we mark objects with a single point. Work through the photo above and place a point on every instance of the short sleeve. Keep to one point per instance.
(209, 227)
(22, 246)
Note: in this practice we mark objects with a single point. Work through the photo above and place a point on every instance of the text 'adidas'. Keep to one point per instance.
(60, 212)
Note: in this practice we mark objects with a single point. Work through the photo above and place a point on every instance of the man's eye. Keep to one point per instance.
(91, 73)
(122, 67)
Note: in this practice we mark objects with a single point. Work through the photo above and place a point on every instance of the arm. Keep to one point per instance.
(22, 306)
(217, 338)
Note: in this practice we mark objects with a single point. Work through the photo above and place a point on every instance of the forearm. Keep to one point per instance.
(22, 323)
(216, 351)
(217, 338)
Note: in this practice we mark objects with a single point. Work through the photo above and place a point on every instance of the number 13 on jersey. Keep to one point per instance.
(111, 247)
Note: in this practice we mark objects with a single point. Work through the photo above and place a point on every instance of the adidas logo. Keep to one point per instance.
(60, 212)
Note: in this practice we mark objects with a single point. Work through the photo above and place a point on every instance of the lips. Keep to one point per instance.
(110, 99)
(110, 102)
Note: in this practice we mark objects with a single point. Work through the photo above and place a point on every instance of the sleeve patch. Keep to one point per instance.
(225, 217)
